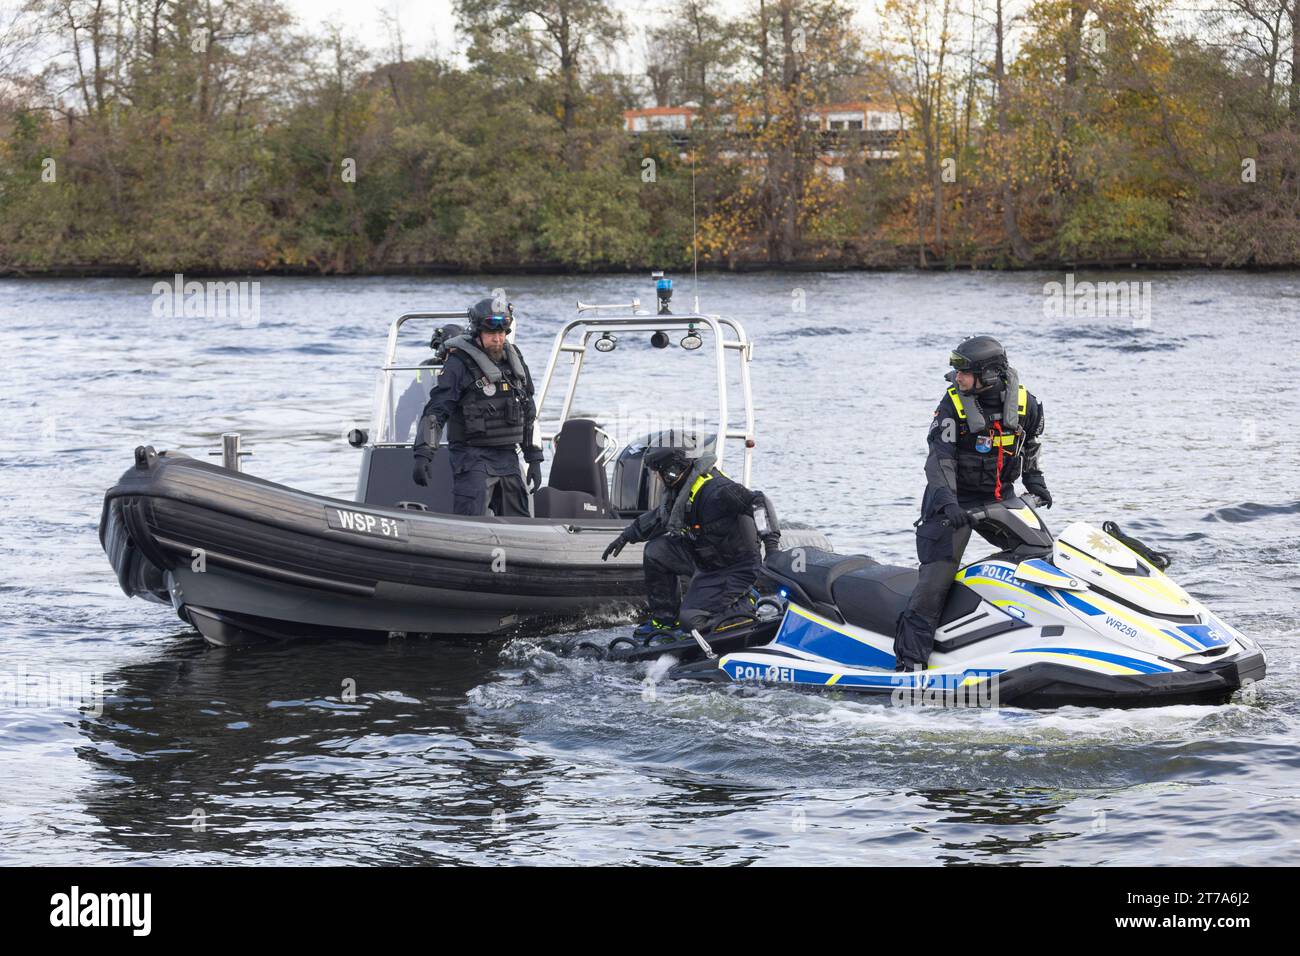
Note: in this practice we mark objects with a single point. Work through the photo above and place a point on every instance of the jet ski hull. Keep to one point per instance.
(1036, 686)
(1056, 685)
(1110, 632)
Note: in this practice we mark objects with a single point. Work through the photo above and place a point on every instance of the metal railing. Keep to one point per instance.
(590, 326)
(728, 336)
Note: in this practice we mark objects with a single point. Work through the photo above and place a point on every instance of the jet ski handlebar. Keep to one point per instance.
(981, 514)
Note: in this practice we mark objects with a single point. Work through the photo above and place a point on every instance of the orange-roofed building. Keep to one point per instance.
(656, 118)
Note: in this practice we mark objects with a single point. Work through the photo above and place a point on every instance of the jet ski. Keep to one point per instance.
(1085, 618)
(241, 558)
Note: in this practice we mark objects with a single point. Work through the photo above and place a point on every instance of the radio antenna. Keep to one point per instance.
(695, 239)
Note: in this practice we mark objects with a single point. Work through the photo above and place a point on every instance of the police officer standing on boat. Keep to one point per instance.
(484, 399)
(984, 435)
(704, 529)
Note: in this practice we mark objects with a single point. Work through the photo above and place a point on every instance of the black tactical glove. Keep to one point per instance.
(422, 474)
(956, 516)
(534, 477)
(1038, 487)
(616, 547)
(771, 545)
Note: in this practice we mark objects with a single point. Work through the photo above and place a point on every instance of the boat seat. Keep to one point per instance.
(577, 486)
(551, 502)
(820, 569)
(386, 479)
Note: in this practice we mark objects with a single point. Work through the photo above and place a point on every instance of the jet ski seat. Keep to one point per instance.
(867, 593)
(874, 597)
(820, 569)
(578, 486)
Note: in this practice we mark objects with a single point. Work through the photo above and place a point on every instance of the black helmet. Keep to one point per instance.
(443, 335)
(983, 355)
(670, 464)
(485, 317)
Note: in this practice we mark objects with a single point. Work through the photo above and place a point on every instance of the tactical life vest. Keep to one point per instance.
(988, 458)
(718, 540)
(491, 410)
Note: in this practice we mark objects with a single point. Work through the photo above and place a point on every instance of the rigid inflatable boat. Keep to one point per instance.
(242, 558)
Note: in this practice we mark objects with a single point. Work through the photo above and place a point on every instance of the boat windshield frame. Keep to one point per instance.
(390, 353)
(728, 335)
(383, 411)
(588, 325)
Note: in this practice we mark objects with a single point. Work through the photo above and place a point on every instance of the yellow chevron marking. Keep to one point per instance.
(1157, 584)
(818, 619)
(978, 579)
(1027, 516)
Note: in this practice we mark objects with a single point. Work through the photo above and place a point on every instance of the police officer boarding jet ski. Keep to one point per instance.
(705, 530)
(484, 398)
(1082, 618)
(984, 435)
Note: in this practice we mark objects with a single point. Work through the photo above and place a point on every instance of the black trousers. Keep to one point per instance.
(668, 558)
(939, 547)
(474, 491)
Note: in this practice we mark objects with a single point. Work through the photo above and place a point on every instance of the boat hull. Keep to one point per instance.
(243, 558)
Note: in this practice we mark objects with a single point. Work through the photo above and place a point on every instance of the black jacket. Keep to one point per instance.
(717, 522)
(957, 471)
(477, 413)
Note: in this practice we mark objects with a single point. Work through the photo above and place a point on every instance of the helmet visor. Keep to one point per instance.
(497, 322)
(672, 473)
(960, 362)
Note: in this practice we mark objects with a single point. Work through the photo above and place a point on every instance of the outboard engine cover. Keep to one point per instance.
(635, 489)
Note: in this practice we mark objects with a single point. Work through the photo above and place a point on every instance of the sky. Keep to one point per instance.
(429, 26)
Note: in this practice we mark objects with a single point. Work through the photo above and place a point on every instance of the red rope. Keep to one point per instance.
(997, 487)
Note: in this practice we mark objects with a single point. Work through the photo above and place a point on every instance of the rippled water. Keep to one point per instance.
(502, 751)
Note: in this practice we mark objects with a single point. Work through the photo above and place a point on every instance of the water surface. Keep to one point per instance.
(503, 751)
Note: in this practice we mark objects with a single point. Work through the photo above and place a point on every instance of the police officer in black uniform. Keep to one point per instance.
(484, 398)
(705, 529)
(985, 435)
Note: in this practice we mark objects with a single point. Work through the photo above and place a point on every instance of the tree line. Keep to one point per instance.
(151, 136)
